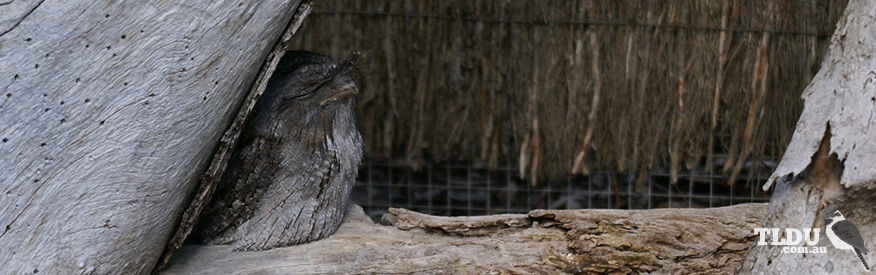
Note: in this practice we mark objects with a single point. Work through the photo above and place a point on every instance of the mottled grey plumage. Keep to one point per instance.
(290, 175)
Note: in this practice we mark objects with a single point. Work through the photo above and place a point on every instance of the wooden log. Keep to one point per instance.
(542, 241)
(109, 112)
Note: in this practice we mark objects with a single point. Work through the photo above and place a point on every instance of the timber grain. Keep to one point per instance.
(109, 113)
(695, 241)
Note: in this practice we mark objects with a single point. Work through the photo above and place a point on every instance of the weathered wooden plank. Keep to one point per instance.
(219, 161)
(109, 112)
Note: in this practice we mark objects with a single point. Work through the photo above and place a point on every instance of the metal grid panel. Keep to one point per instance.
(455, 190)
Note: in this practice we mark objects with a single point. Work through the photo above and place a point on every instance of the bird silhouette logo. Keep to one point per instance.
(843, 234)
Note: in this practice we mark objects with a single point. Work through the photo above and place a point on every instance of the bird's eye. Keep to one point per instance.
(304, 94)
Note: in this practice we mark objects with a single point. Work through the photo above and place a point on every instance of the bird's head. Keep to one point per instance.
(309, 87)
(831, 213)
(313, 80)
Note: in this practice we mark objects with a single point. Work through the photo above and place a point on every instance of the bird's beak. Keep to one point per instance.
(344, 92)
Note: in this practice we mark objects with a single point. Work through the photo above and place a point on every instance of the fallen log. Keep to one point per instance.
(541, 241)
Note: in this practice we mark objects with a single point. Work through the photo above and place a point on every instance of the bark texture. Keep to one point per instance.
(209, 180)
(109, 112)
(542, 241)
(830, 158)
(842, 98)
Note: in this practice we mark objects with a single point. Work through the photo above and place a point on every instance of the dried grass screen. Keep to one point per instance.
(560, 87)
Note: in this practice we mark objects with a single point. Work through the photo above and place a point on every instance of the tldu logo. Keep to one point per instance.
(793, 239)
(841, 233)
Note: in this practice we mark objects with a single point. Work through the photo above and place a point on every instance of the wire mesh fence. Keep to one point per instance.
(467, 189)
(564, 85)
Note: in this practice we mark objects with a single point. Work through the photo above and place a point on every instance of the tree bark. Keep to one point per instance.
(109, 112)
(830, 158)
(542, 241)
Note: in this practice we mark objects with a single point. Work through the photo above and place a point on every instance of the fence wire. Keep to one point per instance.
(462, 189)
(549, 22)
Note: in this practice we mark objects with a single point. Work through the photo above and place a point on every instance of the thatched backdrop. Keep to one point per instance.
(570, 86)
